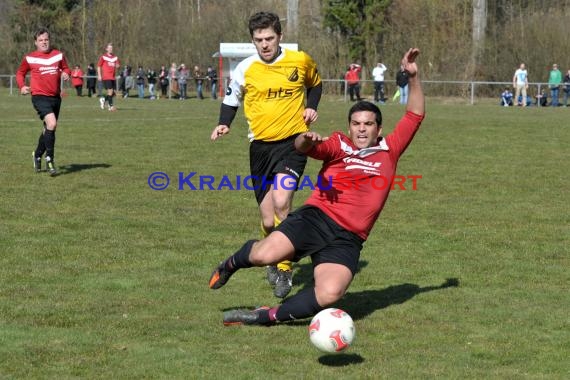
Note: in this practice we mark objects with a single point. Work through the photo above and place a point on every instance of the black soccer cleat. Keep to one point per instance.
(37, 162)
(245, 317)
(283, 284)
(51, 168)
(272, 274)
(220, 276)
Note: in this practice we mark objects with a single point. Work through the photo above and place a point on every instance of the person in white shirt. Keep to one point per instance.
(378, 75)
(520, 83)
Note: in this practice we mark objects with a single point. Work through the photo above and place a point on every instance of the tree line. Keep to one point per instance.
(460, 40)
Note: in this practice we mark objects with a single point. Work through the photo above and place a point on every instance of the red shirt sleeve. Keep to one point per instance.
(403, 134)
(65, 66)
(21, 73)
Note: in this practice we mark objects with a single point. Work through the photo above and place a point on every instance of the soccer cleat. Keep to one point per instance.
(37, 162)
(244, 317)
(102, 103)
(112, 108)
(283, 284)
(51, 167)
(220, 276)
(272, 274)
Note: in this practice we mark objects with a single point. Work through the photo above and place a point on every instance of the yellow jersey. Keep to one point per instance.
(273, 94)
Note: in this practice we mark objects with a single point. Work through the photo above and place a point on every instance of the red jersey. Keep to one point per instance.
(46, 69)
(77, 77)
(354, 183)
(108, 64)
(351, 75)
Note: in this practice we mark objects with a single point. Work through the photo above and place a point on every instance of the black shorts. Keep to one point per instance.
(266, 159)
(110, 84)
(44, 105)
(315, 234)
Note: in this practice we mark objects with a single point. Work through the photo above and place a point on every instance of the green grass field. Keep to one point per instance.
(102, 277)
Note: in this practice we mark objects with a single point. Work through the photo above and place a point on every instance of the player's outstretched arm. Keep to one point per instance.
(416, 100)
(305, 141)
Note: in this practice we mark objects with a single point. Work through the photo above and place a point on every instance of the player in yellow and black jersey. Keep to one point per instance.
(271, 85)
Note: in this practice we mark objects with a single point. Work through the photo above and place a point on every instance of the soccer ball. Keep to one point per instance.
(332, 330)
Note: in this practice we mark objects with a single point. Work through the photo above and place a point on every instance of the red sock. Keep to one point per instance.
(272, 313)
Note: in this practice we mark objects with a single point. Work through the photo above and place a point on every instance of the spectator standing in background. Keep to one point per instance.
(378, 75)
(352, 78)
(163, 81)
(183, 75)
(402, 82)
(140, 82)
(554, 81)
(91, 80)
(77, 80)
(520, 83)
(151, 80)
(129, 82)
(199, 78)
(212, 76)
(173, 79)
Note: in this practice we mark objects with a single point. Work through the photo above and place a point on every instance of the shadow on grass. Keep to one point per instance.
(68, 169)
(366, 302)
(340, 360)
(362, 304)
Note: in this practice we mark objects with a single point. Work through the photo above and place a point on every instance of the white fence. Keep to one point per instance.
(467, 91)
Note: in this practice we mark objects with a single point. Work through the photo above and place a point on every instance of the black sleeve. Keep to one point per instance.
(314, 96)
(227, 114)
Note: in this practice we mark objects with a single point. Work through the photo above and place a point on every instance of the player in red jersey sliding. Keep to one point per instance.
(106, 72)
(336, 220)
(47, 66)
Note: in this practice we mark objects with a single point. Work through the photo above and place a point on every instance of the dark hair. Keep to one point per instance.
(264, 20)
(39, 32)
(366, 106)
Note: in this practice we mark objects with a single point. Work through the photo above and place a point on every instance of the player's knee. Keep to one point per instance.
(258, 255)
(329, 294)
(50, 123)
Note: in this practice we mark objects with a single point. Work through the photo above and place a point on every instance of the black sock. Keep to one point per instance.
(264, 317)
(111, 100)
(41, 148)
(240, 259)
(49, 140)
(302, 305)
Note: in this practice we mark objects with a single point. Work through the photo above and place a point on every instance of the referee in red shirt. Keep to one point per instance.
(336, 220)
(47, 66)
